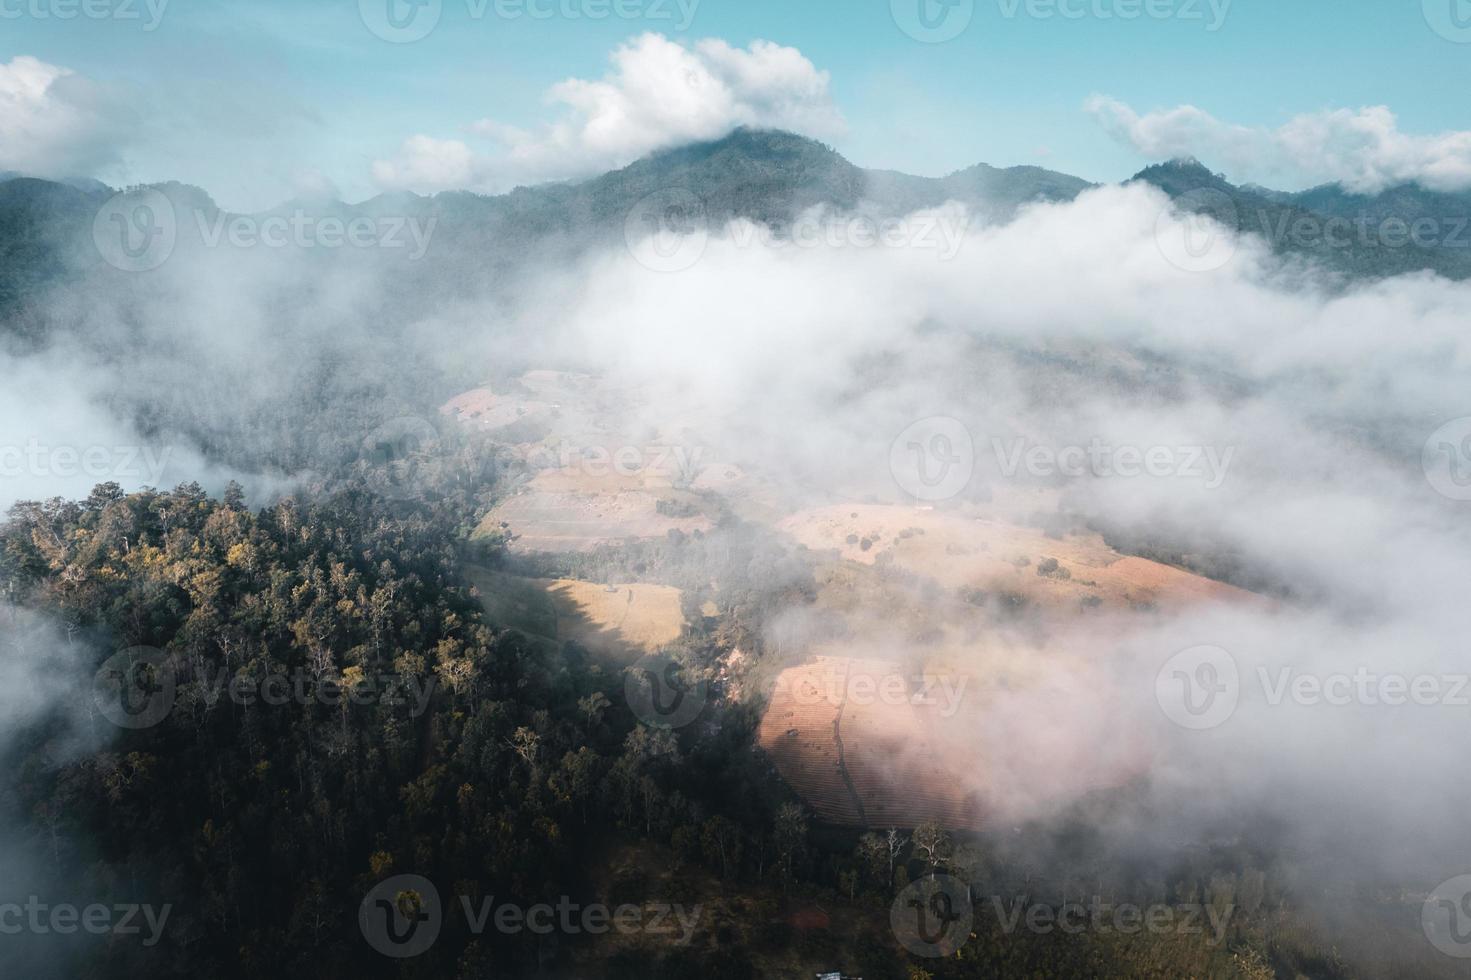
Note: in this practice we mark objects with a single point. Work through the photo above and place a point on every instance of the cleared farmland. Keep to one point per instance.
(623, 620)
(849, 736)
(973, 598)
(960, 550)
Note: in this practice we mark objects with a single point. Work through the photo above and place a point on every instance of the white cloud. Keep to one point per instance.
(658, 93)
(55, 123)
(1326, 491)
(1362, 149)
(428, 164)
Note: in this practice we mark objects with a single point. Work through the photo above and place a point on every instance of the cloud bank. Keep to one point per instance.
(1363, 149)
(657, 94)
(56, 123)
(1071, 324)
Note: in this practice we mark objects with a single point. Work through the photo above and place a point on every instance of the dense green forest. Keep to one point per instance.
(422, 739)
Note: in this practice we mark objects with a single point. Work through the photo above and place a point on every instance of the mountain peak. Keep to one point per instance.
(767, 145)
(1181, 175)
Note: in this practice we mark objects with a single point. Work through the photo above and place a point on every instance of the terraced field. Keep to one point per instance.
(800, 733)
(848, 737)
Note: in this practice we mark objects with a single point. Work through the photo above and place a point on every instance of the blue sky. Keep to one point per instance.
(250, 99)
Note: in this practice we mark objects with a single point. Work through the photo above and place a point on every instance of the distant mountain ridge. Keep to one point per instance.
(1403, 229)
(762, 175)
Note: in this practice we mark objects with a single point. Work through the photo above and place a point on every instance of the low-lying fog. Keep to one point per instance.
(1303, 407)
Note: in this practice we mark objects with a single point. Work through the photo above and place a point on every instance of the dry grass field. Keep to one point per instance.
(960, 550)
(542, 516)
(622, 621)
(973, 621)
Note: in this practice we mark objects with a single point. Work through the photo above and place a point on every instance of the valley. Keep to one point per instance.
(886, 693)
